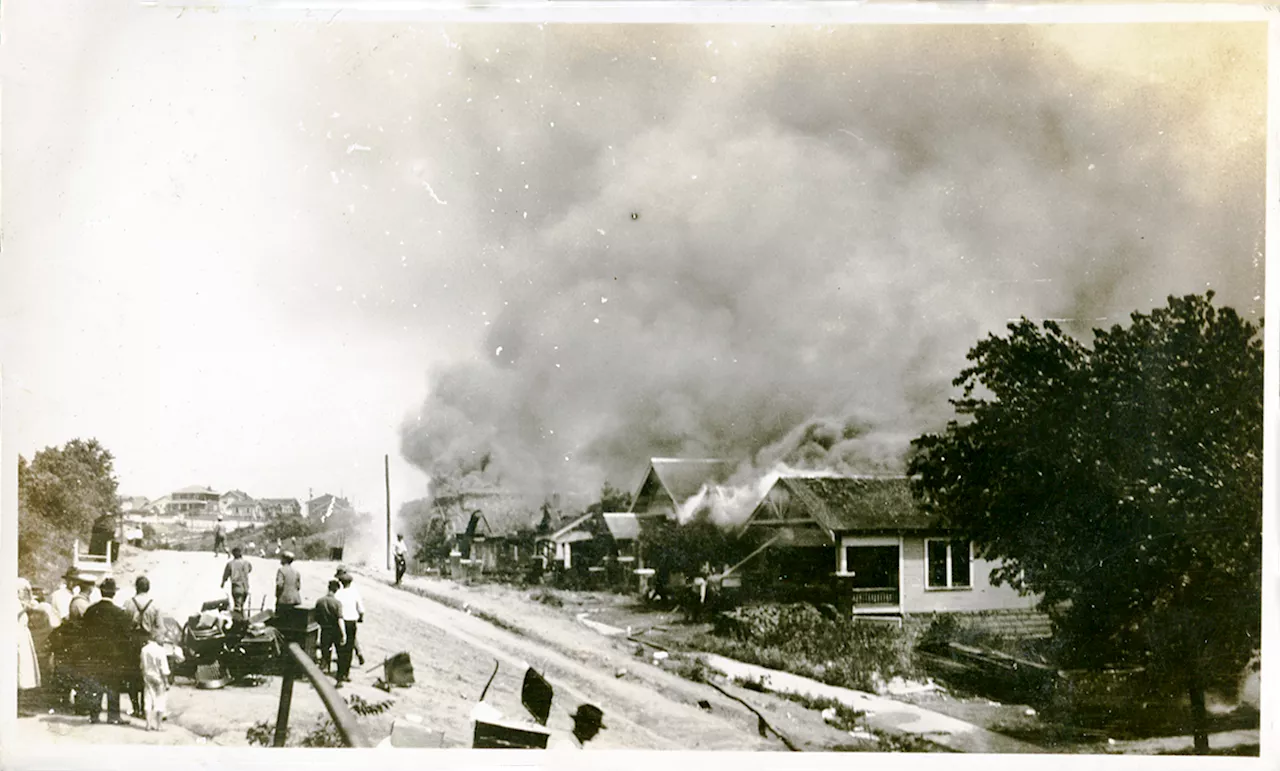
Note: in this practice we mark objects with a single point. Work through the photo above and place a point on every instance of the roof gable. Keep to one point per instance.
(677, 480)
(573, 525)
(845, 504)
(623, 525)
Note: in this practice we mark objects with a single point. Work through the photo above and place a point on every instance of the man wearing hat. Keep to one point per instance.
(288, 585)
(111, 653)
(219, 538)
(588, 721)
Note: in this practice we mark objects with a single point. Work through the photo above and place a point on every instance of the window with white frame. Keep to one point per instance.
(949, 564)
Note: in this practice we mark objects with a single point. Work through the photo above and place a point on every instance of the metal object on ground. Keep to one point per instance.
(536, 696)
(297, 662)
(398, 670)
(500, 736)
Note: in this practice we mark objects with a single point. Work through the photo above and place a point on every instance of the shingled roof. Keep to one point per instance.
(846, 504)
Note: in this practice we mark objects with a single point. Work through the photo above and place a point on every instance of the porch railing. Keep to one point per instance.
(865, 597)
(296, 660)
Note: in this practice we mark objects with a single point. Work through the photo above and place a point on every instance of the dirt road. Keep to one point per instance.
(453, 654)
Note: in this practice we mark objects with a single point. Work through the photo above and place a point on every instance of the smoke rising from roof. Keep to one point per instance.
(776, 247)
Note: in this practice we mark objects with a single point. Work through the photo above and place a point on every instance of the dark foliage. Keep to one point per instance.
(1122, 482)
(61, 492)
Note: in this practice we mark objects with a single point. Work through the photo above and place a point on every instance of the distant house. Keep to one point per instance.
(132, 503)
(326, 506)
(191, 500)
(238, 504)
(864, 544)
(275, 508)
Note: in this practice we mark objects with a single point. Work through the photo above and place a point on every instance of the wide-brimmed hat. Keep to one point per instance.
(590, 713)
(288, 555)
(108, 585)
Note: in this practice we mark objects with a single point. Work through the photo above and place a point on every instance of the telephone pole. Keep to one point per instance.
(386, 465)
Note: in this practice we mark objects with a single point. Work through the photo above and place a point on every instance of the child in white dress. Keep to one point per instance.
(155, 680)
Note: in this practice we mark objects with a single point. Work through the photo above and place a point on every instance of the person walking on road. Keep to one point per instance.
(352, 614)
(288, 585)
(237, 572)
(333, 635)
(219, 538)
(402, 557)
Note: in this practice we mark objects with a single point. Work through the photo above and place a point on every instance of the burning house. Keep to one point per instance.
(668, 486)
(863, 543)
(490, 531)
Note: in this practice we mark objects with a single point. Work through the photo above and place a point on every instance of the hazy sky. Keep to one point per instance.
(262, 255)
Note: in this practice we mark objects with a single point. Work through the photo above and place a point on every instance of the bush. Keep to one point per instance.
(801, 639)
(323, 734)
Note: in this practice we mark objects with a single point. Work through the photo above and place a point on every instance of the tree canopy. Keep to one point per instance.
(61, 491)
(1122, 482)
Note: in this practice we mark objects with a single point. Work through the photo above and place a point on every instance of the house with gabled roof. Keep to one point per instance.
(238, 504)
(668, 485)
(493, 529)
(865, 544)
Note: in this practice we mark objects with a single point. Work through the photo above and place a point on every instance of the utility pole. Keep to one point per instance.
(386, 465)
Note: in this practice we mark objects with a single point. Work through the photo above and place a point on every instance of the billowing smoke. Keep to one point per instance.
(776, 247)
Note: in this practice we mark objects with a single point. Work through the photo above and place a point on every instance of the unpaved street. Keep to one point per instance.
(453, 654)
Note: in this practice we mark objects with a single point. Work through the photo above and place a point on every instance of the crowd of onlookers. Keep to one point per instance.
(84, 643)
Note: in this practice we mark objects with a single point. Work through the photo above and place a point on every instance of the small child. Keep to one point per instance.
(155, 678)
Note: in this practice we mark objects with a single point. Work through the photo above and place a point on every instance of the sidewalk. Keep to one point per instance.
(882, 713)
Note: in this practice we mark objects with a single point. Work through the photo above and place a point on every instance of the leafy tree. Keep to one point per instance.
(61, 491)
(1122, 482)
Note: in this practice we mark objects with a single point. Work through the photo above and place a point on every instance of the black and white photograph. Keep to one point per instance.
(775, 383)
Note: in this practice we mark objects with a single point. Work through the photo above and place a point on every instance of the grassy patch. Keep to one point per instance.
(801, 639)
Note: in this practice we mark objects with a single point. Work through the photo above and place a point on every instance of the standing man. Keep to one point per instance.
(402, 555)
(146, 623)
(237, 572)
(288, 585)
(333, 635)
(108, 632)
(219, 538)
(352, 614)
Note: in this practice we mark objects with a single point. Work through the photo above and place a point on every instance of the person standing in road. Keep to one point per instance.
(108, 632)
(219, 538)
(288, 585)
(237, 572)
(402, 557)
(333, 635)
(352, 614)
(155, 678)
(146, 622)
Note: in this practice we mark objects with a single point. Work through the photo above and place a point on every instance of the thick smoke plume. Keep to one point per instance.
(776, 247)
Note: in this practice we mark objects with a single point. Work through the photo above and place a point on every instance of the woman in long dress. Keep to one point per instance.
(28, 664)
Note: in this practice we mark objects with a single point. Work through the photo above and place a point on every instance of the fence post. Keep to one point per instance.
(286, 701)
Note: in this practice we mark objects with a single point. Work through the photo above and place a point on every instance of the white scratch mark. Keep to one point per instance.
(352, 148)
(850, 133)
(433, 195)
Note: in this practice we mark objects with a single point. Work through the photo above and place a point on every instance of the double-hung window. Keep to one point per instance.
(949, 564)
